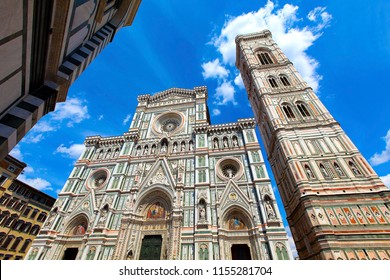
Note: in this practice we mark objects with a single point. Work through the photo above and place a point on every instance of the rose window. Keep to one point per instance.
(170, 125)
(229, 168)
(229, 171)
(97, 179)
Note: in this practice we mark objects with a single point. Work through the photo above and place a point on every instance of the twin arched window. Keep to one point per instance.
(283, 79)
(302, 108)
(288, 111)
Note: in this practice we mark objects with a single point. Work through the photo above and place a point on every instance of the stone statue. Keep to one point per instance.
(225, 143)
(202, 212)
(269, 209)
(235, 143)
(163, 148)
(216, 145)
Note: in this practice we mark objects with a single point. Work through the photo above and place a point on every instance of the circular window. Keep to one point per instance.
(97, 179)
(229, 168)
(168, 123)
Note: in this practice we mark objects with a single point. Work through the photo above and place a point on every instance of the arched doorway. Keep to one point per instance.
(75, 230)
(155, 225)
(237, 236)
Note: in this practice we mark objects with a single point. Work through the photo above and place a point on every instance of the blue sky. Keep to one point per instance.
(340, 47)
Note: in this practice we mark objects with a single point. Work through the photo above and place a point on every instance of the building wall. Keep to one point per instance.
(44, 46)
(201, 188)
(23, 210)
(336, 205)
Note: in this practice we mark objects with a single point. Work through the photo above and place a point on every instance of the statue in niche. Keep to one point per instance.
(191, 145)
(203, 252)
(309, 172)
(338, 169)
(174, 147)
(216, 144)
(183, 146)
(33, 254)
(235, 142)
(146, 150)
(323, 170)
(269, 209)
(153, 149)
(138, 151)
(103, 218)
(91, 253)
(202, 212)
(225, 142)
(163, 147)
(116, 153)
(51, 218)
(354, 169)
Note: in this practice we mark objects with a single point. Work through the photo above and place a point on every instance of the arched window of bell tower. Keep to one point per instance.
(272, 81)
(288, 111)
(285, 81)
(264, 57)
(303, 109)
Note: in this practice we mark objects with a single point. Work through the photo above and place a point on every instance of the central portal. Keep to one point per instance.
(151, 247)
(241, 252)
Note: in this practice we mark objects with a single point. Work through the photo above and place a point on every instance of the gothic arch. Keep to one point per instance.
(239, 212)
(154, 194)
(78, 225)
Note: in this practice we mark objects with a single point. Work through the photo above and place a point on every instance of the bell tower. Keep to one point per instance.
(336, 205)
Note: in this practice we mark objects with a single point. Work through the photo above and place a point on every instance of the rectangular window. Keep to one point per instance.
(26, 211)
(2, 179)
(33, 214)
(3, 199)
(25, 245)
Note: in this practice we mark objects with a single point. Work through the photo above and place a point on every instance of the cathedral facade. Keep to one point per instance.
(172, 187)
(336, 205)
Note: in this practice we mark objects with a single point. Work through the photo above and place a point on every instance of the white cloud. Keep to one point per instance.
(294, 41)
(384, 156)
(43, 126)
(127, 119)
(216, 112)
(225, 94)
(73, 111)
(74, 151)
(17, 153)
(386, 180)
(213, 69)
(239, 82)
(32, 138)
(100, 117)
(28, 169)
(291, 242)
(320, 15)
(37, 183)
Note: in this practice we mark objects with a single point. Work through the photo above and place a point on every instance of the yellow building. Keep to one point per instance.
(23, 210)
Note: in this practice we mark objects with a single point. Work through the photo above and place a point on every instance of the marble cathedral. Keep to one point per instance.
(172, 187)
(336, 205)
